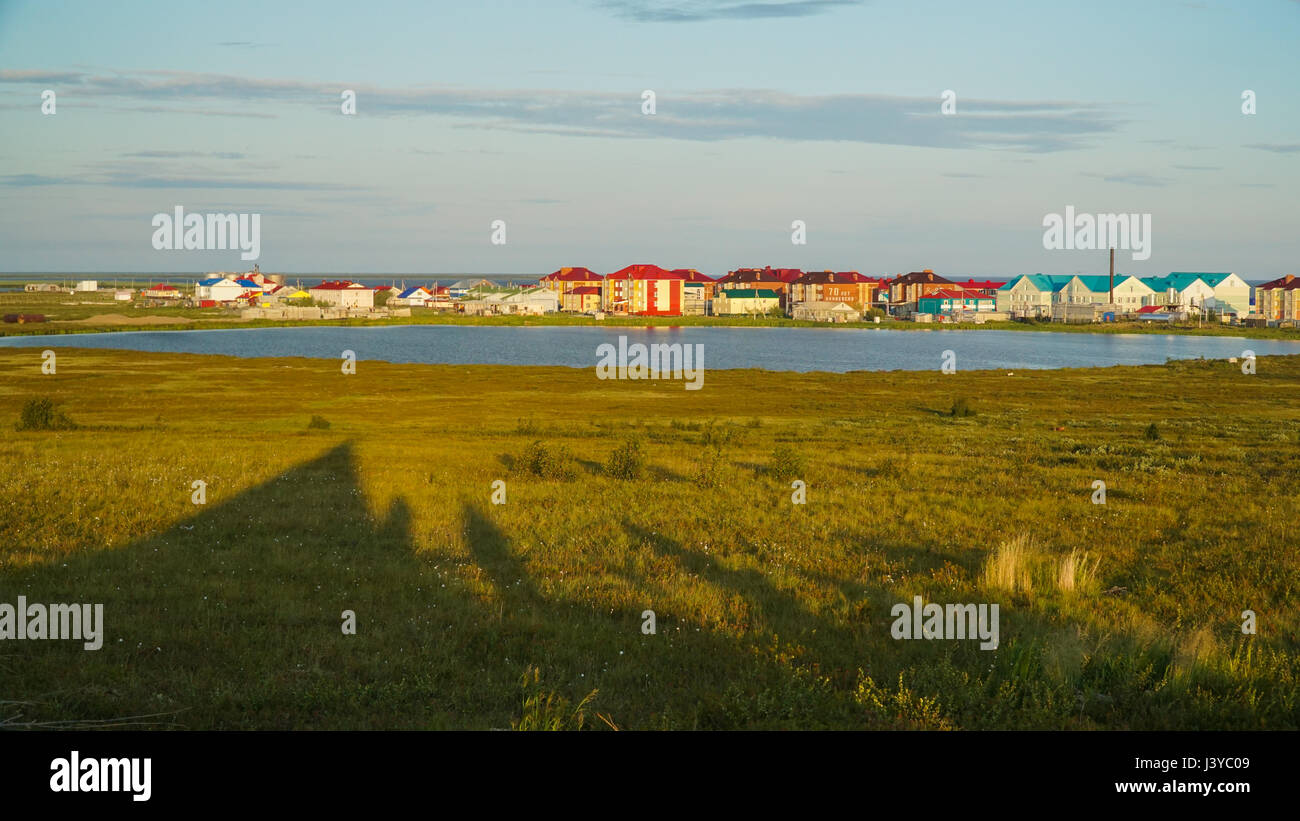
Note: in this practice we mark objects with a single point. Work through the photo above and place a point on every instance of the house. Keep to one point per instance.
(745, 301)
(778, 280)
(956, 298)
(826, 312)
(1279, 299)
(1030, 295)
(417, 297)
(1132, 294)
(702, 283)
(1231, 293)
(161, 291)
(463, 287)
(645, 290)
(122, 295)
(566, 279)
(344, 293)
(42, 287)
(531, 302)
(905, 290)
(987, 287)
(582, 300)
(219, 289)
(849, 287)
(1180, 292)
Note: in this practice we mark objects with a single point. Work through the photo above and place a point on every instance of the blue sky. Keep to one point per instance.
(766, 112)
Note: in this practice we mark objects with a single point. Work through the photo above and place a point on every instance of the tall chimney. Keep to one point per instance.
(1112, 276)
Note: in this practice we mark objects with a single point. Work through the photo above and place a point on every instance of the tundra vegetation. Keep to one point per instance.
(528, 614)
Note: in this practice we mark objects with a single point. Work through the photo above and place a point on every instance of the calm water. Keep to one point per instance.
(778, 349)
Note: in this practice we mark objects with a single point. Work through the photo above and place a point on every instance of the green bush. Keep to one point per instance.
(546, 462)
(1152, 432)
(318, 423)
(961, 408)
(43, 414)
(787, 463)
(626, 461)
(711, 470)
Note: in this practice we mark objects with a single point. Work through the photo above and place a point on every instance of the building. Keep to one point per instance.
(583, 300)
(462, 288)
(1181, 292)
(645, 290)
(1230, 293)
(956, 298)
(416, 297)
(344, 293)
(161, 291)
(1029, 295)
(987, 287)
(703, 283)
(1279, 299)
(567, 279)
(220, 289)
(778, 280)
(42, 287)
(87, 285)
(531, 302)
(746, 302)
(906, 290)
(849, 287)
(826, 312)
(1132, 294)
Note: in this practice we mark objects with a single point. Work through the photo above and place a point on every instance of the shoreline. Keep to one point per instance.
(150, 323)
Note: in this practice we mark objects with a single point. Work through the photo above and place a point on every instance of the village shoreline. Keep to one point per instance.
(83, 326)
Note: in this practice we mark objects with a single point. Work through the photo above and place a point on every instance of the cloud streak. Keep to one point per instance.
(713, 115)
(694, 11)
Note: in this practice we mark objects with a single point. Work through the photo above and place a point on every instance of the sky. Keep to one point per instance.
(829, 112)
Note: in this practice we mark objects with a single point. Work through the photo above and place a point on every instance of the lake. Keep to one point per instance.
(777, 349)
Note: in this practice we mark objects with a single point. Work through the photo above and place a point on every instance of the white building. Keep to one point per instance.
(344, 293)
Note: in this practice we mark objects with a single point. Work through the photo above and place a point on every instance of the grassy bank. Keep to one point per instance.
(769, 614)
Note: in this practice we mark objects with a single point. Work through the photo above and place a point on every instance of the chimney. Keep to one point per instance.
(1112, 276)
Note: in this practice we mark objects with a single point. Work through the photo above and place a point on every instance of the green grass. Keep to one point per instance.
(769, 615)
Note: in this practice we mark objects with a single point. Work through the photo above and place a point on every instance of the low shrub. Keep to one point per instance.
(626, 461)
(43, 414)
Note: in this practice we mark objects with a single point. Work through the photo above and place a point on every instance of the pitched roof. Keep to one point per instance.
(920, 276)
(247, 283)
(693, 275)
(1211, 279)
(1288, 281)
(985, 285)
(643, 271)
(336, 285)
(409, 291)
(572, 275)
(950, 293)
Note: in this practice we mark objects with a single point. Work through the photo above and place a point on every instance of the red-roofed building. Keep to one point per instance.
(778, 280)
(344, 293)
(566, 279)
(645, 290)
(584, 299)
(987, 287)
(1279, 299)
(848, 287)
(161, 291)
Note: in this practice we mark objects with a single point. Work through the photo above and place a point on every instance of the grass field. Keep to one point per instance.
(769, 614)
